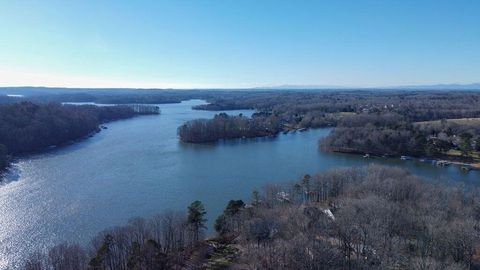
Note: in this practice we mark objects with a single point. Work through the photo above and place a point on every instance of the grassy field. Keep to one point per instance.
(458, 153)
(475, 163)
(342, 114)
(460, 121)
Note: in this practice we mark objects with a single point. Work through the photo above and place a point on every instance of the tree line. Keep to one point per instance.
(390, 114)
(164, 241)
(97, 95)
(288, 109)
(312, 108)
(309, 108)
(372, 217)
(393, 135)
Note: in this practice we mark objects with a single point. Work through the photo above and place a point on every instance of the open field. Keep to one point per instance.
(340, 114)
(458, 153)
(460, 121)
(475, 155)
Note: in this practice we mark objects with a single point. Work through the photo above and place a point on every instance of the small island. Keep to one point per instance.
(223, 126)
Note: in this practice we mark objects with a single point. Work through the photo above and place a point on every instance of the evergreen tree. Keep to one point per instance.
(466, 144)
(228, 220)
(196, 218)
(3, 157)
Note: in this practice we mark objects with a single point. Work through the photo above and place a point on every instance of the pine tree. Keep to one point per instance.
(196, 218)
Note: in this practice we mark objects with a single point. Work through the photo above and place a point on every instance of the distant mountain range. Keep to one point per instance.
(472, 86)
(29, 90)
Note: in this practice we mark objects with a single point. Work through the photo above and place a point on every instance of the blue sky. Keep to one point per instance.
(242, 43)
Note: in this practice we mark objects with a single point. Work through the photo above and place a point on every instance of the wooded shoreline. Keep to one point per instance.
(27, 128)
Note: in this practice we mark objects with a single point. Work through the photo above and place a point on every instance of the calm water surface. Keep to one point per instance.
(137, 167)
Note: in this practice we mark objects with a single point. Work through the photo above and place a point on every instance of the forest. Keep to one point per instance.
(377, 122)
(98, 95)
(28, 127)
(360, 218)
(372, 217)
(383, 123)
(393, 135)
(306, 108)
(223, 126)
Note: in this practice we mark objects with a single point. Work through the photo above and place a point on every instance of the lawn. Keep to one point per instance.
(458, 153)
(460, 121)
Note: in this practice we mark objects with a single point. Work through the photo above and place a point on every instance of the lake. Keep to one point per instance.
(138, 167)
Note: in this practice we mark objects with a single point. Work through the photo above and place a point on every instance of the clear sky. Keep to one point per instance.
(241, 43)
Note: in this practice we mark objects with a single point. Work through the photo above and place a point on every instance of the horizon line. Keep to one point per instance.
(475, 85)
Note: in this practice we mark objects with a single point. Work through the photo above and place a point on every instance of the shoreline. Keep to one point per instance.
(98, 129)
(438, 161)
